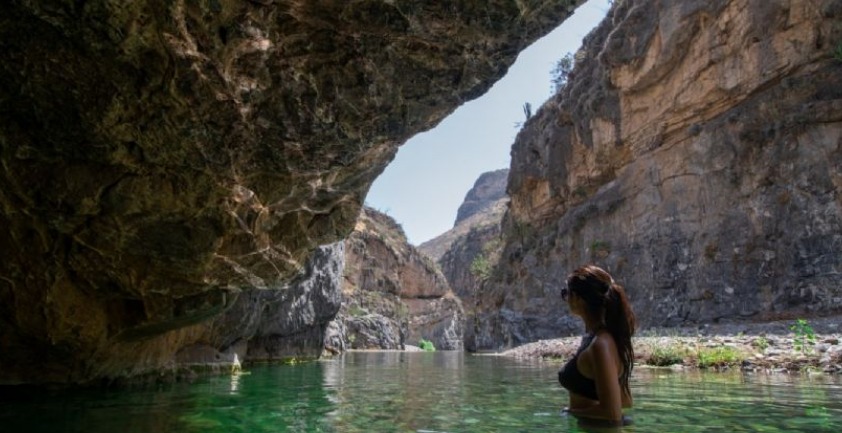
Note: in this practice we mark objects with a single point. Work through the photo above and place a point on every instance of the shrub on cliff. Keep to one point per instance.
(561, 71)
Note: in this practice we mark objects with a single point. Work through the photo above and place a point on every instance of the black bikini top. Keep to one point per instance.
(572, 379)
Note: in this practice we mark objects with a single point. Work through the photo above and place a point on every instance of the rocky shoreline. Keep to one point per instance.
(781, 346)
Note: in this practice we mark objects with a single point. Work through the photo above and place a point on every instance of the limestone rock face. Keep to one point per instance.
(694, 152)
(393, 295)
(162, 160)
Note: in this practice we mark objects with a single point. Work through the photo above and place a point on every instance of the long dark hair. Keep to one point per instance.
(605, 299)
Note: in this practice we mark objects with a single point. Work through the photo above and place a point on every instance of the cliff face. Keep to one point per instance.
(160, 158)
(695, 153)
(470, 262)
(392, 294)
(468, 254)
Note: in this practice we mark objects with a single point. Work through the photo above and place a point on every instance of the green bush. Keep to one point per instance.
(481, 267)
(760, 343)
(426, 345)
(665, 356)
(718, 356)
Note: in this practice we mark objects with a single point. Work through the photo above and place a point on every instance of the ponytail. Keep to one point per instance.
(621, 323)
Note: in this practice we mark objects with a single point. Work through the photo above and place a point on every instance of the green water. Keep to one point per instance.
(425, 393)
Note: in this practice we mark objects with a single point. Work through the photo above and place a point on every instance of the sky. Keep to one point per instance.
(428, 179)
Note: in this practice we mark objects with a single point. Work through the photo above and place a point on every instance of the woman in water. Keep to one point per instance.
(597, 377)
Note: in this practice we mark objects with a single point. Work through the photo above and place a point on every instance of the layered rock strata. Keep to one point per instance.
(694, 152)
(392, 294)
(158, 158)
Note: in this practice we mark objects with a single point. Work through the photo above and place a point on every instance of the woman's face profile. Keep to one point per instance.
(574, 301)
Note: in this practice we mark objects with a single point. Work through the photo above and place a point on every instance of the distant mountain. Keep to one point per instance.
(489, 189)
(484, 206)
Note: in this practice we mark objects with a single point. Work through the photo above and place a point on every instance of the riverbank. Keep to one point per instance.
(812, 346)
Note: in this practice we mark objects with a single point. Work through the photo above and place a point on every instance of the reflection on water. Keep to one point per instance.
(698, 401)
(427, 393)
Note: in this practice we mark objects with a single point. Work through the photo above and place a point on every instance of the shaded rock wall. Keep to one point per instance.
(468, 253)
(393, 295)
(471, 261)
(286, 323)
(695, 153)
(160, 157)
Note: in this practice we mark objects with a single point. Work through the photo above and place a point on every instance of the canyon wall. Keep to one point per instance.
(468, 254)
(392, 295)
(288, 323)
(695, 153)
(163, 161)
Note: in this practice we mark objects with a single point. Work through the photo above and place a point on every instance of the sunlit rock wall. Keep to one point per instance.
(695, 152)
(161, 158)
(392, 295)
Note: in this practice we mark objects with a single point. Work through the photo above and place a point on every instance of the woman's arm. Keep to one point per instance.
(603, 358)
(628, 401)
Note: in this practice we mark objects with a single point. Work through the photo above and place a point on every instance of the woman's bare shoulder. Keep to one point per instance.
(604, 341)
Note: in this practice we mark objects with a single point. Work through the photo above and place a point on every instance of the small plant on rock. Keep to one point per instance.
(761, 343)
(805, 337)
(600, 248)
(356, 311)
(562, 71)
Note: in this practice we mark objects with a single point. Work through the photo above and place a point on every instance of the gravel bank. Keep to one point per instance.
(770, 346)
